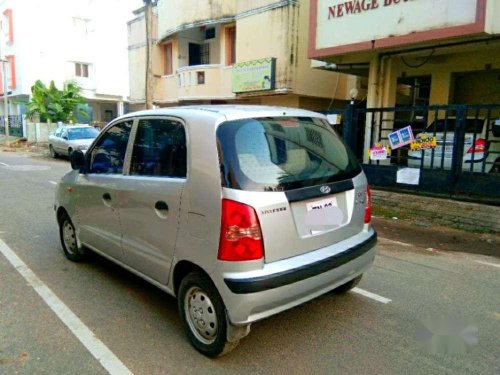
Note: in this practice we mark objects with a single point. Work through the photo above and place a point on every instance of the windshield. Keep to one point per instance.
(277, 154)
(82, 133)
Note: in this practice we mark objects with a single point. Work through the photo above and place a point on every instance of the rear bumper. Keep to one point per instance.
(249, 299)
(262, 283)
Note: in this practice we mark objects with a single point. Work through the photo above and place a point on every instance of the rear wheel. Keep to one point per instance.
(203, 315)
(344, 288)
(53, 153)
(69, 241)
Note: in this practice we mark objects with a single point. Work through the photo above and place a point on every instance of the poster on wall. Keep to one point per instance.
(379, 152)
(408, 176)
(423, 142)
(255, 75)
(401, 137)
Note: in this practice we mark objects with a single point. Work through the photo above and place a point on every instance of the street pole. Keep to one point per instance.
(5, 105)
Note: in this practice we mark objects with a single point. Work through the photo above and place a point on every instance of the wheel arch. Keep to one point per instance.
(60, 212)
(183, 268)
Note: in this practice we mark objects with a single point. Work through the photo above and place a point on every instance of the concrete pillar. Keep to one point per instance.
(372, 99)
(440, 88)
(390, 82)
(119, 108)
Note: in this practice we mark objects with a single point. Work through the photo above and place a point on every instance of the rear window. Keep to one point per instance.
(441, 126)
(283, 153)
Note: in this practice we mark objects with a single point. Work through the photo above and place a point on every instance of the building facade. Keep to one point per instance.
(413, 51)
(68, 40)
(228, 51)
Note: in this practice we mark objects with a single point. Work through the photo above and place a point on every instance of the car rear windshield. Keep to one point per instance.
(82, 133)
(471, 126)
(282, 153)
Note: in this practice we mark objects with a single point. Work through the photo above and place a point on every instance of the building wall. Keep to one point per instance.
(178, 13)
(50, 36)
(264, 29)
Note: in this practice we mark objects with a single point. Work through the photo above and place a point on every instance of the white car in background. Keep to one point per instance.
(67, 139)
(481, 150)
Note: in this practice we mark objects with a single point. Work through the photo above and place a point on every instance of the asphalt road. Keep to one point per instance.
(431, 312)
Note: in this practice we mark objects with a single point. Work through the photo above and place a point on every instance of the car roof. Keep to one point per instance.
(74, 126)
(225, 112)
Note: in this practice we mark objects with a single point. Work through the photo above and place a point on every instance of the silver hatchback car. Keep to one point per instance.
(240, 212)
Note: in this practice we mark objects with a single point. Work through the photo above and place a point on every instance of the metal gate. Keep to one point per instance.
(15, 125)
(451, 151)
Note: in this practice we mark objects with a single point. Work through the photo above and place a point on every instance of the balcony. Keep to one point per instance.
(198, 82)
(178, 15)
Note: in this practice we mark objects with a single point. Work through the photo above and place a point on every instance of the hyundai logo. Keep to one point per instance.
(325, 189)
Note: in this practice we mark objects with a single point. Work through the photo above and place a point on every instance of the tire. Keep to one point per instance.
(53, 153)
(344, 288)
(69, 241)
(70, 151)
(203, 315)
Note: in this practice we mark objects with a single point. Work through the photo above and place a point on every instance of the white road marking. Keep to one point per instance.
(5, 165)
(395, 242)
(53, 182)
(488, 263)
(371, 295)
(95, 346)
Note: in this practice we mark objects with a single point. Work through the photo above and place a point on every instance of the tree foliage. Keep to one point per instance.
(53, 105)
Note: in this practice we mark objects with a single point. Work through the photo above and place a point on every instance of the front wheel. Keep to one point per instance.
(69, 241)
(53, 153)
(344, 288)
(203, 315)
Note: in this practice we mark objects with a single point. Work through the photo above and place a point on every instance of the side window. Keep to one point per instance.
(159, 149)
(58, 132)
(108, 155)
(64, 134)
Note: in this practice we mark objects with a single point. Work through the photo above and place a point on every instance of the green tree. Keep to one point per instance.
(51, 104)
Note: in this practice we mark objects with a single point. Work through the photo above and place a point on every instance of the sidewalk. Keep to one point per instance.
(434, 237)
(19, 145)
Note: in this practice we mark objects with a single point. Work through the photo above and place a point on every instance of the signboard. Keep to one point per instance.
(379, 152)
(255, 75)
(423, 142)
(341, 26)
(401, 137)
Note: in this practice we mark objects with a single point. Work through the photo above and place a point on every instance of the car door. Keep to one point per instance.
(97, 191)
(150, 196)
(62, 142)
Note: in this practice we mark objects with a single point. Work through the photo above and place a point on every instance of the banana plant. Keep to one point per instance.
(51, 104)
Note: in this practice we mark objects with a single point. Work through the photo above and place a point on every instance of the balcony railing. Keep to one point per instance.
(198, 82)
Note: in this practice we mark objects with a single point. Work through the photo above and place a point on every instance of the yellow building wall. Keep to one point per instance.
(443, 68)
(308, 81)
(266, 35)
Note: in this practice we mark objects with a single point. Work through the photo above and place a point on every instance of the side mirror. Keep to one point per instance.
(77, 160)
(65, 137)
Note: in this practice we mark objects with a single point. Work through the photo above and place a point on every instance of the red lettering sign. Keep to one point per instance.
(358, 6)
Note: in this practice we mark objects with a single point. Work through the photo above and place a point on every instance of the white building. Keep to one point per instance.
(60, 40)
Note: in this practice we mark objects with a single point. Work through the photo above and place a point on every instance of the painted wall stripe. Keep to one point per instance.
(95, 346)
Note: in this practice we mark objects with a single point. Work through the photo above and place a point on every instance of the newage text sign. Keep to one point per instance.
(349, 22)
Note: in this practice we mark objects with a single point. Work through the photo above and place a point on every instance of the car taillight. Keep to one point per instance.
(368, 205)
(478, 146)
(240, 234)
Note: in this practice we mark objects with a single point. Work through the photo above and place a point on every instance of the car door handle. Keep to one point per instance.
(106, 198)
(161, 206)
(161, 209)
